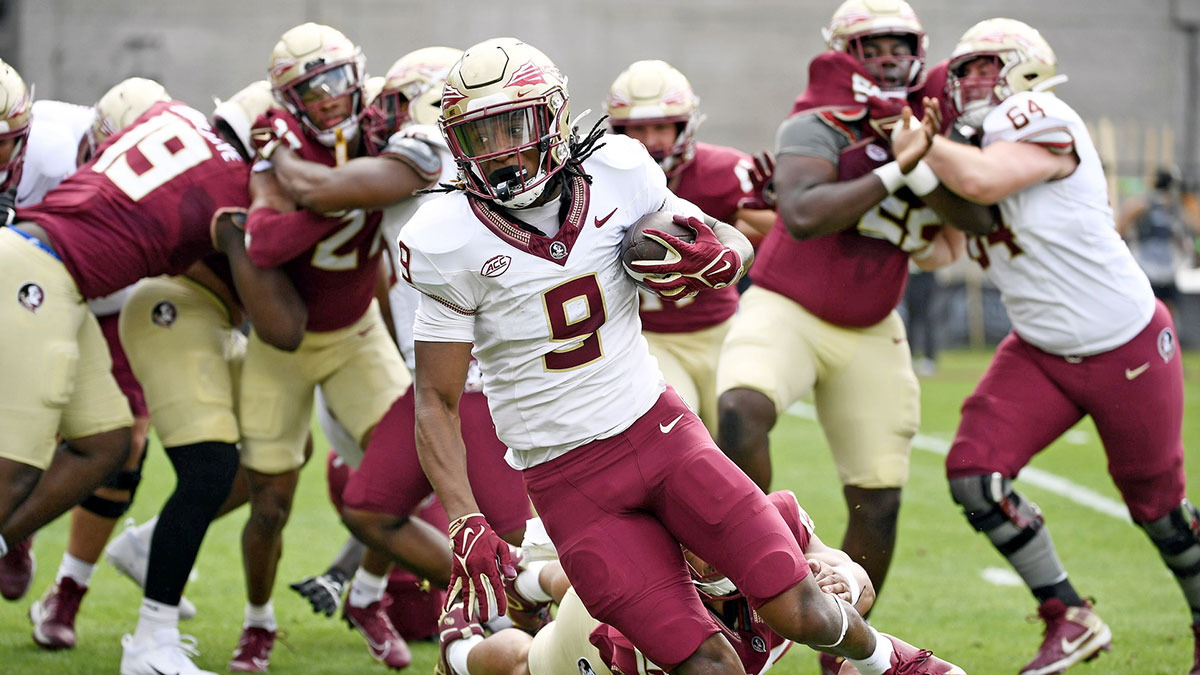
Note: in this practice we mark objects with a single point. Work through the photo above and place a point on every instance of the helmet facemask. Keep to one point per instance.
(495, 146)
(316, 98)
(10, 171)
(911, 64)
(974, 96)
(708, 581)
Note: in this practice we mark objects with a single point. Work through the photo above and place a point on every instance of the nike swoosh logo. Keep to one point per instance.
(600, 221)
(1132, 373)
(666, 428)
(1071, 646)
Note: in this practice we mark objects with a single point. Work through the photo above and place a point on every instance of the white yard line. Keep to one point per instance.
(1033, 476)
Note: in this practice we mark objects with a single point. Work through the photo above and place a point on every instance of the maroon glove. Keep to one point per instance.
(278, 129)
(761, 185)
(689, 268)
(478, 557)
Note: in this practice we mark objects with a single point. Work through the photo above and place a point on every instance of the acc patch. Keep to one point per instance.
(31, 296)
(1166, 344)
(496, 266)
(164, 314)
(558, 250)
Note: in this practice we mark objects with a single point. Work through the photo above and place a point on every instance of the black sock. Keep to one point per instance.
(205, 473)
(1063, 590)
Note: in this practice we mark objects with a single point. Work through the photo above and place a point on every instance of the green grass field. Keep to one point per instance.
(936, 595)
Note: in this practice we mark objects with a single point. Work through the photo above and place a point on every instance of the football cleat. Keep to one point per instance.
(129, 552)
(1073, 635)
(16, 570)
(166, 652)
(53, 616)
(253, 652)
(384, 643)
(526, 614)
(452, 627)
(909, 660)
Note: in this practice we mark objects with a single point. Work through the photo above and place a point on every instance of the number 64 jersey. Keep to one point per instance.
(554, 320)
(1068, 281)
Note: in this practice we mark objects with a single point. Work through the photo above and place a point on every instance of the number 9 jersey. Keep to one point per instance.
(554, 319)
(144, 205)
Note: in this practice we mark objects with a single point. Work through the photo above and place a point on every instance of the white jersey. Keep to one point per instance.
(54, 135)
(1068, 281)
(554, 320)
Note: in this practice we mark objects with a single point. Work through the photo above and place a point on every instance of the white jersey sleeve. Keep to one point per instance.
(54, 136)
(449, 292)
(1068, 281)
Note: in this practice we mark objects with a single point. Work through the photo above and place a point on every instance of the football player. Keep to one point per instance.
(654, 103)
(520, 265)
(316, 74)
(1089, 337)
(384, 491)
(575, 642)
(103, 228)
(821, 316)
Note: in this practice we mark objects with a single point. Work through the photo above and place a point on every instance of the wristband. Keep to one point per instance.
(891, 176)
(921, 180)
(847, 572)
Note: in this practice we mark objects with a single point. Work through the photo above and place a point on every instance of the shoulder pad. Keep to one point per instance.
(418, 154)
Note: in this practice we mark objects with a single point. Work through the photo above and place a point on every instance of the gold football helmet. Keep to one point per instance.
(16, 108)
(1021, 60)
(411, 92)
(857, 20)
(655, 92)
(238, 113)
(317, 75)
(121, 105)
(505, 98)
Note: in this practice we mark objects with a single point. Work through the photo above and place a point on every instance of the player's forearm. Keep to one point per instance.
(827, 208)
(965, 170)
(960, 213)
(275, 238)
(442, 453)
(310, 184)
(276, 310)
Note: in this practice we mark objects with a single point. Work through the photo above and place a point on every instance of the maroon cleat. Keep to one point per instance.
(384, 643)
(53, 616)
(908, 660)
(1073, 635)
(253, 653)
(452, 627)
(526, 614)
(16, 570)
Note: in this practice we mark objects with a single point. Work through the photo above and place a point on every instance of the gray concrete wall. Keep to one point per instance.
(747, 59)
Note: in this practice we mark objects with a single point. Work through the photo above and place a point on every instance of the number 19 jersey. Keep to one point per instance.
(554, 320)
(145, 204)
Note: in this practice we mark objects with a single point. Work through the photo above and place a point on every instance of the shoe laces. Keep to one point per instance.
(914, 666)
(187, 646)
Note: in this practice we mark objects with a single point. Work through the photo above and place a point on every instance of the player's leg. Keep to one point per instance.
(665, 350)
(1018, 409)
(765, 366)
(868, 404)
(1144, 442)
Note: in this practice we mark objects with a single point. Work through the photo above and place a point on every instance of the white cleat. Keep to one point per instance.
(129, 552)
(165, 653)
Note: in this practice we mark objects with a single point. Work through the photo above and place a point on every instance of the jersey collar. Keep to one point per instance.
(556, 249)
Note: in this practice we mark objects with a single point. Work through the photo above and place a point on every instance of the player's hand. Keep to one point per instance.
(478, 558)
(761, 184)
(323, 592)
(830, 580)
(228, 229)
(910, 140)
(933, 116)
(8, 207)
(280, 134)
(689, 268)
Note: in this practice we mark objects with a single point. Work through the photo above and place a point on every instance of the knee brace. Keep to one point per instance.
(992, 507)
(1177, 537)
(124, 479)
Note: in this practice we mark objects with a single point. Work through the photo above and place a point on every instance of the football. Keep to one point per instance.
(640, 247)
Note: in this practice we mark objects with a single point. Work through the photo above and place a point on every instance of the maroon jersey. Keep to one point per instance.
(757, 646)
(848, 278)
(145, 204)
(716, 180)
(332, 260)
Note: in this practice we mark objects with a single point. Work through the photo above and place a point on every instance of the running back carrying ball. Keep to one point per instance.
(639, 246)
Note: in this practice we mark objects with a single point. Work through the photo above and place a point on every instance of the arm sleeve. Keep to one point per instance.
(807, 135)
(273, 238)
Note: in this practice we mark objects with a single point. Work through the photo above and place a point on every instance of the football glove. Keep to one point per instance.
(689, 268)
(478, 559)
(324, 592)
(762, 185)
(281, 132)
